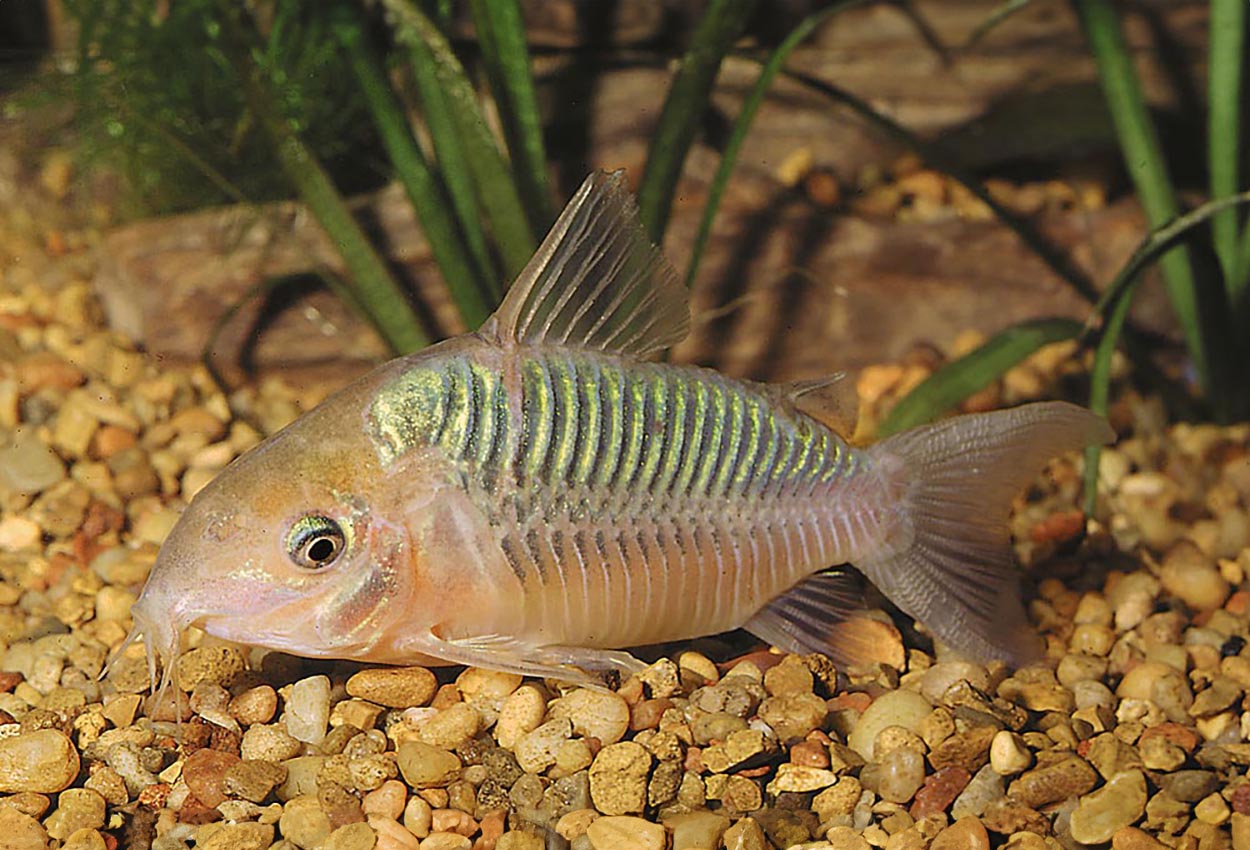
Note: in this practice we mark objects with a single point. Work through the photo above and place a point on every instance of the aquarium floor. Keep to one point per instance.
(1131, 730)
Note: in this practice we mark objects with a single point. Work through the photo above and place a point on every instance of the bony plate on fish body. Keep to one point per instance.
(538, 496)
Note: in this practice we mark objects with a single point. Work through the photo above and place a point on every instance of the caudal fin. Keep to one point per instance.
(950, 564)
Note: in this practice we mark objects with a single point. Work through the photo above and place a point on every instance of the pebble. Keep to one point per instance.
(746, 834)
(618, 778)
(253, 780)
(894, 708)
(793, 777)
(985, 788)
(596, 714)
(427, 766)
(1067, 777)
(626, 833)
(387, 800)
(219, 665)
(255, 705)
(29, 466)
(1008, 754)
(845, 838)
(793, 716)
(308, 709)
(1117, 804)
(235, 836)
(696, 830)
(77, 808)
(939, 791)
(21, 831)
(967, 833)
(450, 727)
(536, 750)
(351, 836)
(44, 761)
(394, 687)
(1162, 684)
(896, 777)
(522, 712)
(205, 774)
(516, 840)
(85, 839)
(268, 743)
(1193, 577)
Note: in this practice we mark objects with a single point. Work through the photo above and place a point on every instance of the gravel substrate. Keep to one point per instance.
(1131, 731)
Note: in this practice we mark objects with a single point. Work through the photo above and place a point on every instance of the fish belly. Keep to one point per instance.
(641, 502)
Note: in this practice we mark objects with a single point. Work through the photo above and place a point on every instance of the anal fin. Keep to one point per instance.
(805, 618)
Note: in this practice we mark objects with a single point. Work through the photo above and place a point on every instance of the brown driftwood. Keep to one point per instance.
(816, 290)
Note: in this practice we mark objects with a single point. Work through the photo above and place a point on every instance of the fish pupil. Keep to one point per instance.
(315, 541)
(321, 549)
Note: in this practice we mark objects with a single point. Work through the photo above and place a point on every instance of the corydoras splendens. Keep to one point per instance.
(537, 496)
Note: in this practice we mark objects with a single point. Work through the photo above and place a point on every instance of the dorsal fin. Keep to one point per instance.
(596, 281)
(832, 400)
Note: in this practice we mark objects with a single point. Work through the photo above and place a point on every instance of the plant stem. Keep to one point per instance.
(506, 58)
(746, 116)
(377, 293)
(423, 188)
(687, 100)
(1227, 32)
(493, 182)
(1144, 161)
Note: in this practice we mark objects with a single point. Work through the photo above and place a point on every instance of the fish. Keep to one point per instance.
(544, 494)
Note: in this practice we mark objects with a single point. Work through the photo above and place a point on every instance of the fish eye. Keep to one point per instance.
(315, 542)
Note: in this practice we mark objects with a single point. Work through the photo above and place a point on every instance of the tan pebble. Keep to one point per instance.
(387, 800)
(597, 714)
(426, 766)
(18, 533)
(351, 836)
(269, 743)
(216, 664)
(391, 835)
(308, 709)
(793, 716)
(626, 833)
(85, 839)
(573, 824)
(1053, 782)
(1239, 828)
(476, 683)
(21, 831)
(522, 712)
(77, 808)
(451, 727)
(1008, 754)
(1132, 838)
(536, 751)
(695, 830)
(791, 676)
(237, 836)
(255, 705)
(517, 840)
(573, 755)
(1212, 809)
(967, 833)
(746, 834)
(445, 841)
(253, 780)
(418, 815)
(111, 439)
(894, 708)
(792, 777)
(699, 666)
(1192, 576)
(395, 687)
(44, 761)
(1117, 804)
(618, 778)
(452, 820)
(940, 677)
(845, 838)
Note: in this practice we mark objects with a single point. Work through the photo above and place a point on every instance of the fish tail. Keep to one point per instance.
(947, 561)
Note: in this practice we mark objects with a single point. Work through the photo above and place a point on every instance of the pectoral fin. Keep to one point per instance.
(507, 654)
